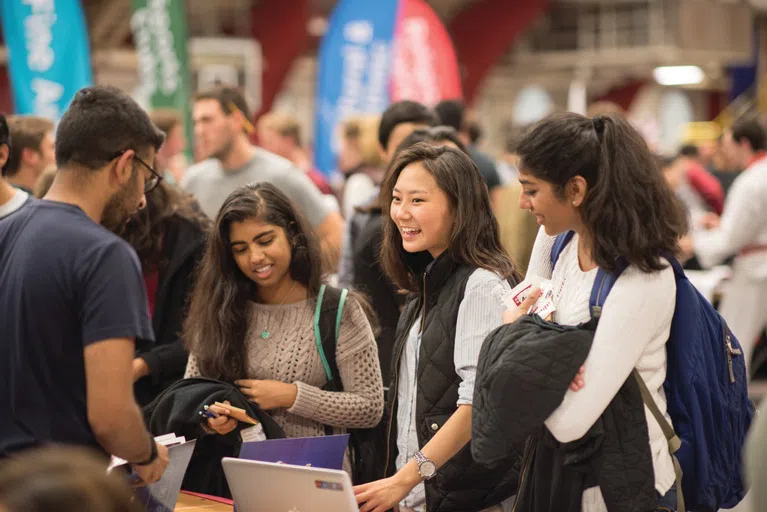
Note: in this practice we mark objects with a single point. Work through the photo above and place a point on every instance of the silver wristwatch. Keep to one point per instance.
(426, 467)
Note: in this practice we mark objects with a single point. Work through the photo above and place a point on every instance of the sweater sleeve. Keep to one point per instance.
(638, 310)
(360, 405)
(540, 259)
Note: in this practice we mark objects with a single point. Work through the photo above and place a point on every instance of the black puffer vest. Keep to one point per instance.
(461, 484)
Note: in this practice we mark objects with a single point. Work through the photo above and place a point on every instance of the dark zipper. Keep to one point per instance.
(730, 350)
(395, 389)
(527, 460)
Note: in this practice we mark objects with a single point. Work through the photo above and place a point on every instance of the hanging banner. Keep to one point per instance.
(354, 69)
(374, 53)
(425, 65)
(48, 54)
(160, 34)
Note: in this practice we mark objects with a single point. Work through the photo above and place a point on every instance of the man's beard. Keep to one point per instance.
(118, 211)
(222, 153)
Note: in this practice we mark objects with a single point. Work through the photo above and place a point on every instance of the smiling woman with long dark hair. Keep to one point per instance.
(251, 321)
(441, 243)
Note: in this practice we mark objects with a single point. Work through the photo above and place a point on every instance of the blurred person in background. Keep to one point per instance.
(673, 168)
(221, 127)
(454, 113)
(518, 228)
(360, 161)
(31, 152)
(171, 160)
(63, 479)
(360, 266)
(73, 297)
(45, 181)
(168, 236)
(280, 133)
(724, 167)
(699, 180)
(11, 198)
(741, 232)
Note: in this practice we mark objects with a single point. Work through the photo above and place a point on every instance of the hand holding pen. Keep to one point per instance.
(218, 419)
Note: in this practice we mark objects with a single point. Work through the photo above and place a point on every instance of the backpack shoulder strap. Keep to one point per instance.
(674, 443)
(603, 283)
(560, 242)
(327, 325)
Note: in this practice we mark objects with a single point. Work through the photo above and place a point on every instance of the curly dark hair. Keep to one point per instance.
(629, 209)
(146, 230)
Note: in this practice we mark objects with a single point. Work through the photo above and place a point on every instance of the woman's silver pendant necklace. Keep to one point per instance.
(265, 332)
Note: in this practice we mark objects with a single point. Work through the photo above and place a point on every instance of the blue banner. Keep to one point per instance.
(355, 61)
(48, 54)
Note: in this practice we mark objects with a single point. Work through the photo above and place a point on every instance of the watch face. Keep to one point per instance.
(427, 469)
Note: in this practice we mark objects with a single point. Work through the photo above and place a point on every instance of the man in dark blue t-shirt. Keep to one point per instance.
(72, 294)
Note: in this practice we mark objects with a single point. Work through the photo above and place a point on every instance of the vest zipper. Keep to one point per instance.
(396, 380)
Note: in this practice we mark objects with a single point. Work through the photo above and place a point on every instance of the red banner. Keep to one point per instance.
(425, 65)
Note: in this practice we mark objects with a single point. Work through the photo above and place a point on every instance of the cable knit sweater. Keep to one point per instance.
(290, 355)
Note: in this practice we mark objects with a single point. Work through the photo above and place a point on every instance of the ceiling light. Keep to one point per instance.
(678, 75)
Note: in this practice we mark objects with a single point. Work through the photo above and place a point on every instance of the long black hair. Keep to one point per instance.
(217, 323)
(629, 210)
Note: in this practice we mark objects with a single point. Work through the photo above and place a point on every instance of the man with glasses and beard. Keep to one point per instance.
(72, 292)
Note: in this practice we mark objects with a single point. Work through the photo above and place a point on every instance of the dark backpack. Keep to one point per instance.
(366, 444)
(706, 389)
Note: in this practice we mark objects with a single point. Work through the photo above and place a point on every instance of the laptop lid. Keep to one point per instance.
(261, 486)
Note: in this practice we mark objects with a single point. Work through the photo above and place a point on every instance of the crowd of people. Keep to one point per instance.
(125, 271)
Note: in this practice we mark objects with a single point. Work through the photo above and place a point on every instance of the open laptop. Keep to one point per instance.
(268, 487)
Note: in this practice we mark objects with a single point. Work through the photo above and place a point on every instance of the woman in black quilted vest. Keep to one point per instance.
(441, 244)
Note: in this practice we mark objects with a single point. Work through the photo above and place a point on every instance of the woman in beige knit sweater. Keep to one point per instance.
(251, 321)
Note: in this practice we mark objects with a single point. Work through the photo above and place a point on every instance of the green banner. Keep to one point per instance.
(160, 34)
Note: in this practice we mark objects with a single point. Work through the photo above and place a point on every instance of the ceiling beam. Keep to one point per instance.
(483, 32)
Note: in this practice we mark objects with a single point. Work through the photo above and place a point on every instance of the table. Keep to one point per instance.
(187, 503)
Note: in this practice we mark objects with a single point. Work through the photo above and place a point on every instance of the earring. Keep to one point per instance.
(575, 203)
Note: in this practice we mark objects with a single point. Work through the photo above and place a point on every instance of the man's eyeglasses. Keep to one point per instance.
(155, 178)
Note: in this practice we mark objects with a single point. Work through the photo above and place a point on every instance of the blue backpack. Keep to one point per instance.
(707, 391)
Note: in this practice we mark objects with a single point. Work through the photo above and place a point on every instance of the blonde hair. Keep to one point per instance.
(363, 132)
(285, 124)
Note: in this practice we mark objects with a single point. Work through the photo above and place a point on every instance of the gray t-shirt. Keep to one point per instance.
(211, 184)
(16, 202)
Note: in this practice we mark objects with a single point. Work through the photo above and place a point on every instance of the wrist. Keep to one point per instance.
(409, 476)
(152, 455)
(292, 396)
